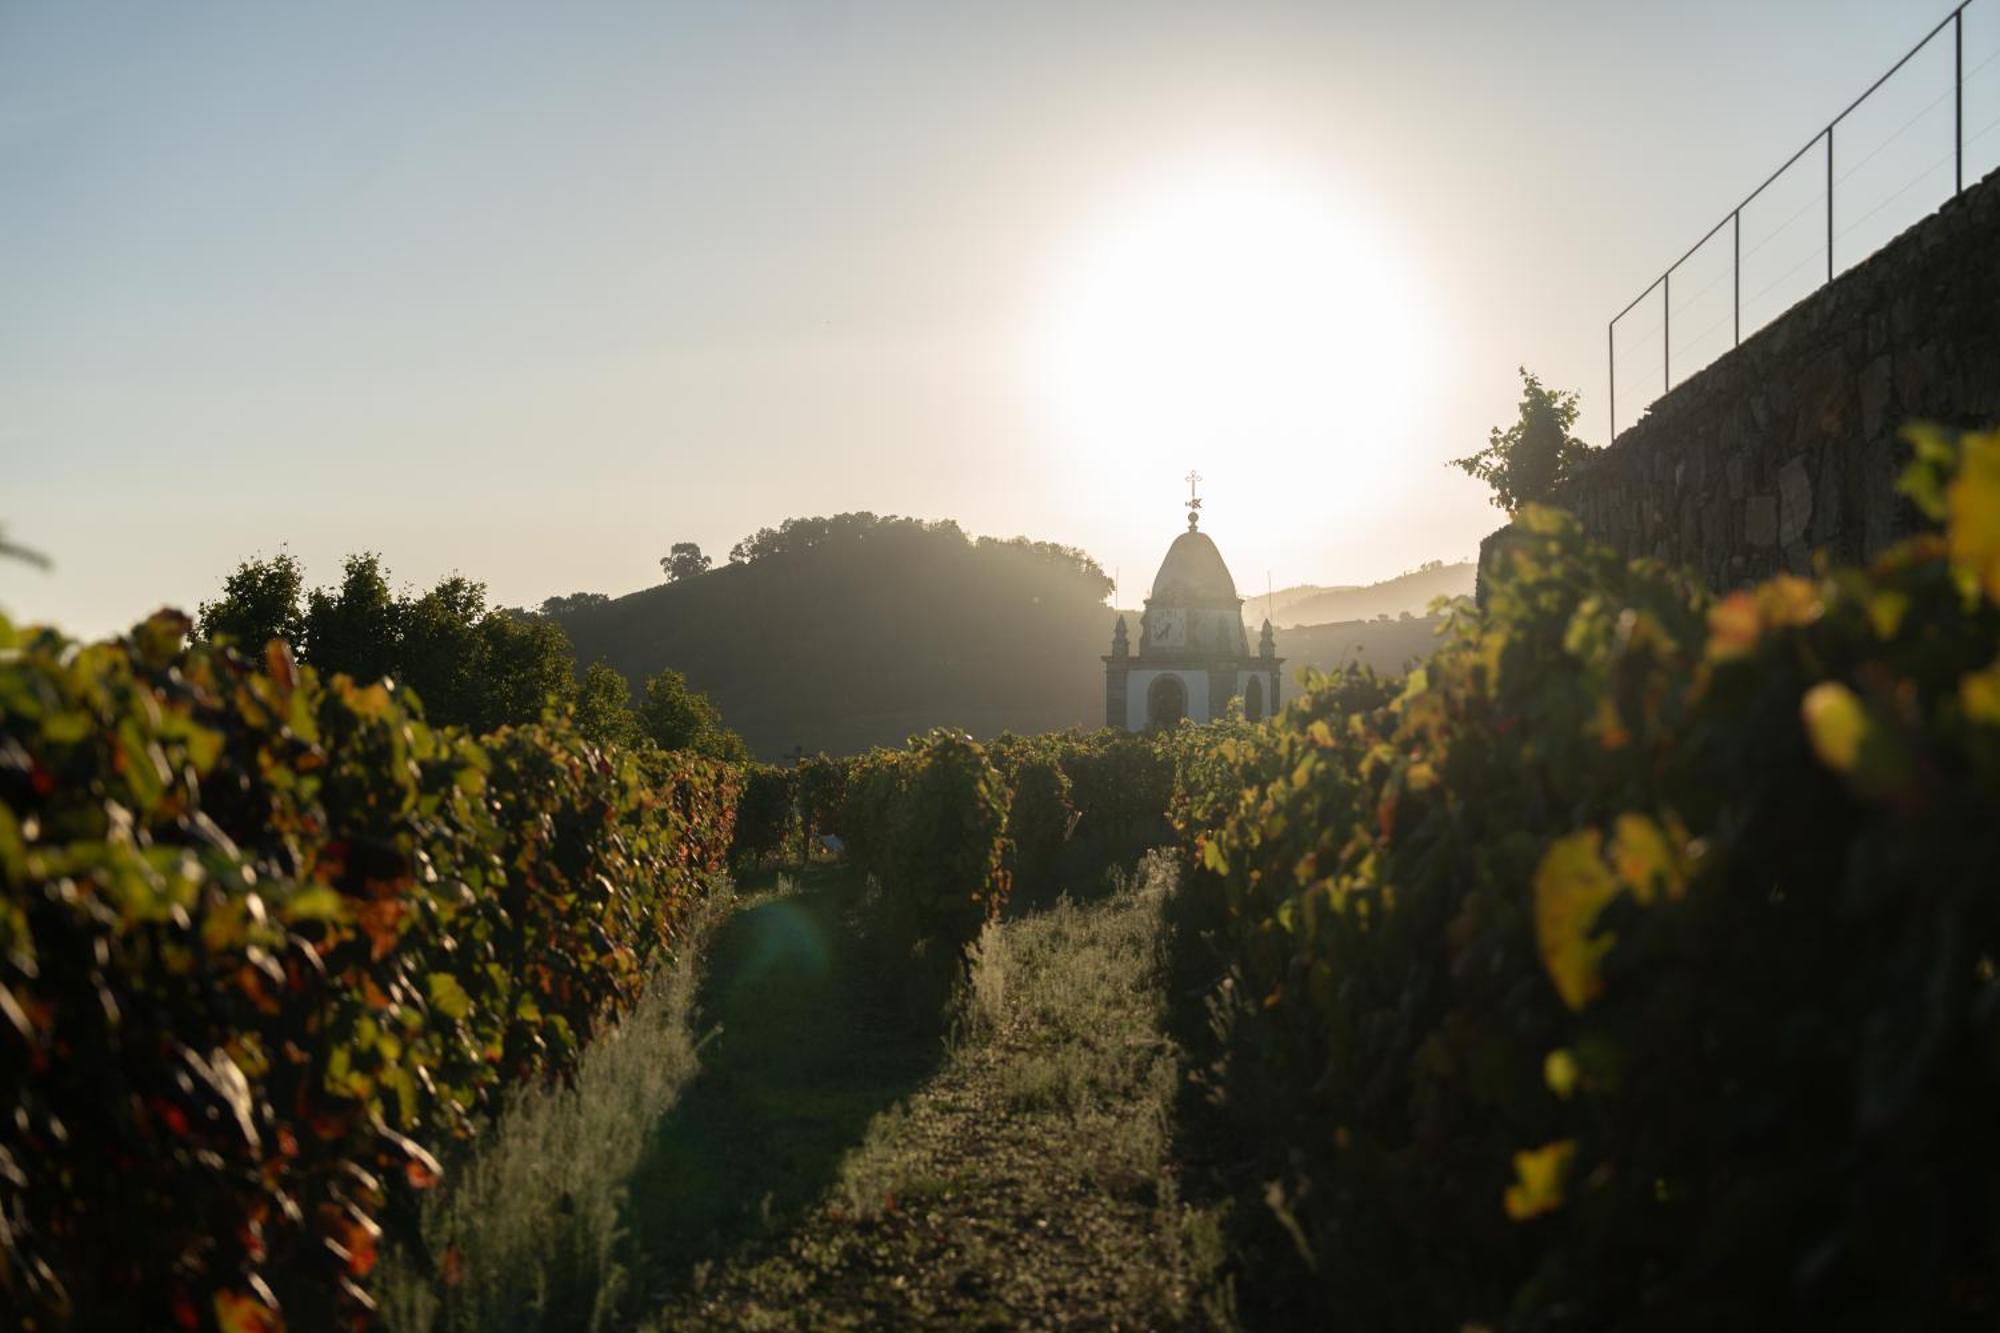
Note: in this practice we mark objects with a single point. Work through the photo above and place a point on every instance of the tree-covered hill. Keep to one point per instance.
(1311, 604)
(840, 633)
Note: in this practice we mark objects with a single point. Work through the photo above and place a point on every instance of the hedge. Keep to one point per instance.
(269, 946)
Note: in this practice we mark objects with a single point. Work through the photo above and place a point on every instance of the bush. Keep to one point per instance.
(1633, 965)
(1041, 817)
(765, 817)
(269, 945)
(929, 823)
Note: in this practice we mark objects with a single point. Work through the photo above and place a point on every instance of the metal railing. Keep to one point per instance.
(1734, 219)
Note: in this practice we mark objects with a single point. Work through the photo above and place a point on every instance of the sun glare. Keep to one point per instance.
(1241, 320)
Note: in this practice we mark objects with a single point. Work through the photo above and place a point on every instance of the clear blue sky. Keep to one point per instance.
(531, 292)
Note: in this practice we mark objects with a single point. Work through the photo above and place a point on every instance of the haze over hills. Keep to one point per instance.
(838, 634)
(1311, 604)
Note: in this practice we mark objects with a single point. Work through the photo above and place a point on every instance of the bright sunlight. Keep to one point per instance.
(1241, 319)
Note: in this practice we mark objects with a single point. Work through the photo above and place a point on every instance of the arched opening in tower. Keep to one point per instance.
(1166, 702)
(1253, 699)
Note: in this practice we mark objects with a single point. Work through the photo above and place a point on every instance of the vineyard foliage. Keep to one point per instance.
(929, 824)
(1632, 964)
(270, 945)
(766, 815)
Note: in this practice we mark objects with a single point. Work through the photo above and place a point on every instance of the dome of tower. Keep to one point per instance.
(1193, 574)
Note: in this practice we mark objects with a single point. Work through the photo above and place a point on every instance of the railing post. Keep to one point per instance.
(1958, 100)
(1667, 331)
(1736, 272)
(1611, 393)
(1829, 203)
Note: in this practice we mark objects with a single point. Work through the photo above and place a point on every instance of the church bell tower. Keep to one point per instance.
(1193, 655)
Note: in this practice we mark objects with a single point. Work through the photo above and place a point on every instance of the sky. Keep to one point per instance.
(530, 293)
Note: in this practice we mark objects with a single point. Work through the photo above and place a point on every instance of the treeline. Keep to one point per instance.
(796, 536)
(473, 665)
(273, 944)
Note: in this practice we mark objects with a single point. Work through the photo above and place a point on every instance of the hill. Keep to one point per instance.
(1386, 645)
(1311, 604)
(837, 634)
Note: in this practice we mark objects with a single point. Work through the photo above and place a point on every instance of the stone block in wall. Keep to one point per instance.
(1795, 501)
(1760, 520)
(1826, 511)
(1715, 533)
(1878, 494)
(1876, 386)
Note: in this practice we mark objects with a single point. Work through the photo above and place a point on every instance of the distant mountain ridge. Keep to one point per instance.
(1311, 604)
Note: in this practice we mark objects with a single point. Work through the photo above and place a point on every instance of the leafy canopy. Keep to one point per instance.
(259, 602)
(684, 560)
(675, 717)
(1528, 461)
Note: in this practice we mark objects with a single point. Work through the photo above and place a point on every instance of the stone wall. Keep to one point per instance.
(1788, 445)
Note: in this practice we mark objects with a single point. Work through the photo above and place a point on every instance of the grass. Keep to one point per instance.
(817, 1036)
(533, 1219)
(1030, 1183)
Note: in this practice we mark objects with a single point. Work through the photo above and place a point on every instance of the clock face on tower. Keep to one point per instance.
(1169, 629)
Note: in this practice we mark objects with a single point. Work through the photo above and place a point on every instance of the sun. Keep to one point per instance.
(1249, 320)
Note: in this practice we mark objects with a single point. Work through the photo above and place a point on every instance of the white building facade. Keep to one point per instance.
(1193, 656)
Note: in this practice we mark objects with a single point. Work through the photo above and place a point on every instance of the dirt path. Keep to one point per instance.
(1026, 1183)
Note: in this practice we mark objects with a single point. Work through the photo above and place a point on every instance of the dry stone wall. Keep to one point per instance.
(1788, 445)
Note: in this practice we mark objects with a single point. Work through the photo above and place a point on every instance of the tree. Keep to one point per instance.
(576, 601)
(259, 602)
(684, 560)
(676, 717)
(441, 649)
(357, 627)
(604, 707)
(1526, 463)
(525, 668)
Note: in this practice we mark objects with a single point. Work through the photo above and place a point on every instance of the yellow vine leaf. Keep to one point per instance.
(1538, 1180)
(1837, 724)
(1979, 696)
(447, 996)
(1560, 1072)
(1886, 610)
(1645, 859)
(1972, 512)
(1572, 885)
(1733, 627)
(1854, 742)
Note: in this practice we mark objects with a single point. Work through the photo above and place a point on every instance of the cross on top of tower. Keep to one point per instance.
(1193, 500)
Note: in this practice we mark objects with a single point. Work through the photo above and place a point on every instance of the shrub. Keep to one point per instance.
(765, 817)
(929, 823)
(1040, 817)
